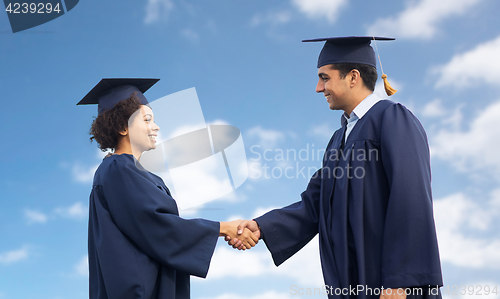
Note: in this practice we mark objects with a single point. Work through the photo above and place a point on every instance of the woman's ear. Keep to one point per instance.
(124, 132)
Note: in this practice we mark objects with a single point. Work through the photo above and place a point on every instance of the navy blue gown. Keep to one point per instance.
(371, 204)
(138, 245)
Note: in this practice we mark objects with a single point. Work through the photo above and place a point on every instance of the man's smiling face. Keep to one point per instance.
(333, 87)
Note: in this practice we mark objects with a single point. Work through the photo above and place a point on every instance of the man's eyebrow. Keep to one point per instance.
(322, 74)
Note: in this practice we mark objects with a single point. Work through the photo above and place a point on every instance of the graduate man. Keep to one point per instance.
(371, 201)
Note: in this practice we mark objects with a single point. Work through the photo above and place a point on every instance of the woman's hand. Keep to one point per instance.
(230, 230)
(249, 224)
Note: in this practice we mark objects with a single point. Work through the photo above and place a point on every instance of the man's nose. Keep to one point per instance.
(320, 87)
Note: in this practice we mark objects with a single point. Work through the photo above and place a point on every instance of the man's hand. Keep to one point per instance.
(231, 230)
(244, 225)
(393, 294)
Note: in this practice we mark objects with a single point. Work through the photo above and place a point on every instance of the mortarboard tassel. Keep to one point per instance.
(388, 88)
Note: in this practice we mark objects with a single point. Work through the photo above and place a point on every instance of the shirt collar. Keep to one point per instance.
(361, 109)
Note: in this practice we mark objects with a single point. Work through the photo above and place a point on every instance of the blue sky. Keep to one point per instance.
(250, 70)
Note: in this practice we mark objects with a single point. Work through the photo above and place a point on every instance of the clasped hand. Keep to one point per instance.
(238, 242)
(234, 231)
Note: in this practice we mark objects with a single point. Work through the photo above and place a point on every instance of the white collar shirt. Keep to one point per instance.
(358, 113)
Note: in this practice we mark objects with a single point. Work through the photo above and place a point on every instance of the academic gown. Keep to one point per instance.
(138, 245)
(371, 204)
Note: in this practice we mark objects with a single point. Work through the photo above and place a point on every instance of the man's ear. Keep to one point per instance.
(355, 77)
(124, 132)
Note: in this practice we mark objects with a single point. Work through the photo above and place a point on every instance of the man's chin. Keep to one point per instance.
(333, 107)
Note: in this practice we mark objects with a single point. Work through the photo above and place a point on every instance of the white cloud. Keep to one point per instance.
(434, 108)
(380, 89)
(382, 94)
(273, 18)
(455, 118)
(451, 118)
(82, 267)
(191, 35)
(255, 170)
(258, 262)
(444, 118)
(200, 182)
(13, 256)
(307, 260)
(83, 174)
(35, 217)
(76, 211)
(266, 138)
(261, 211)
(157, 9)
(420, 20)
(226, 259)
(457, 213)
(190, 212)
(218, 122)
(323, 131)
(475, 67)
(181, 130)
(316, 9)
(233, 197)
(473, 151)
(234, 217)
(266, 295)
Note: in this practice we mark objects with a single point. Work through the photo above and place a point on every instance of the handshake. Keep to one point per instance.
(240, 234)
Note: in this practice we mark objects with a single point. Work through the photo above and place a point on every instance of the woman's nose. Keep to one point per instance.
(156, 127)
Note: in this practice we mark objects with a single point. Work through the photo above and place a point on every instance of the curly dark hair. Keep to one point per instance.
(368, 73)
(106, 127)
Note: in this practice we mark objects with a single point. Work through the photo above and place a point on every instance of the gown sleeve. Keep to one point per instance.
(148, 216)
(410, 256)
(286, 230)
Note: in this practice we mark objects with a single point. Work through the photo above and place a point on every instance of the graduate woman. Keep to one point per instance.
(138, 246)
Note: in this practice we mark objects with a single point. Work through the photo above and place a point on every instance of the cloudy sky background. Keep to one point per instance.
(250, 70)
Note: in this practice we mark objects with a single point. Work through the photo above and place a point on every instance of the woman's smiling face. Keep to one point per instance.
(142, 130)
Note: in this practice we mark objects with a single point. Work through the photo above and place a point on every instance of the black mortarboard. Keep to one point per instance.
(350, 49)
(108, 92)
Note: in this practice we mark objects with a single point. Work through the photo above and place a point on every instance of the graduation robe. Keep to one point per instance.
(138, 245)
(371, 204)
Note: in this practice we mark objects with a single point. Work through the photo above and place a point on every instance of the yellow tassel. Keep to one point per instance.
(388, 88)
